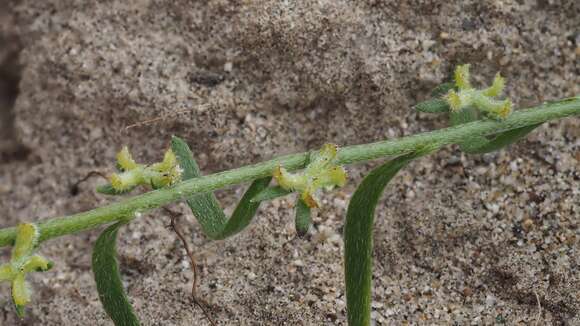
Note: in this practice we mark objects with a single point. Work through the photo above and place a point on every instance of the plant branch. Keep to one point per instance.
(130, 207)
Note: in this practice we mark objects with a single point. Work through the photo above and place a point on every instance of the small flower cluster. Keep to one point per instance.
(465, 95)
(321, 172)
(23, 261)
(158, 175)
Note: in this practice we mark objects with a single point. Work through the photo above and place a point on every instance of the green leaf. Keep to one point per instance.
(303, 219)
(246, 210)
(108, 279)
(271, 193)
(465, 115)
(205, 206)
(500, 141)
(472, 144)
(20, 310)
(433, 106)
(109, 190)
(437, 104)
(358, 242)
(442, 89)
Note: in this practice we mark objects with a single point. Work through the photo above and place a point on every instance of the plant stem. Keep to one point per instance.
(129, 208)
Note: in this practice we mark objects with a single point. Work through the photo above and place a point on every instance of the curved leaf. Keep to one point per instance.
(205, 206)
(109, 190)
(498, 142)
(481, 144)
(246, 209)
(437, 104)
(108, 279)
(358, 242)
(303, 219)
(271, 193)
(433, 106)
(442, 89)
(465, 115)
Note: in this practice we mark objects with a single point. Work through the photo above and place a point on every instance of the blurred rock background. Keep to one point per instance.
(466, 239)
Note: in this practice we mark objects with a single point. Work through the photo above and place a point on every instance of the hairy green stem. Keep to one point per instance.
(351, 154)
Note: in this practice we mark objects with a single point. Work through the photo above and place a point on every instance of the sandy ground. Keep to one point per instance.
(462, 240)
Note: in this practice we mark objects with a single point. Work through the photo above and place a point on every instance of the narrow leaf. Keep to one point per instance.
(108, 278)
(246, 209)
(20, 310)
(433, 106)
(303, 219)
(358, 242)
(109, 190)
(501, 140)
(205, 206)
(442, 89)
(437, 104)
(473, 143)
(270, 193)
(465, 115)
